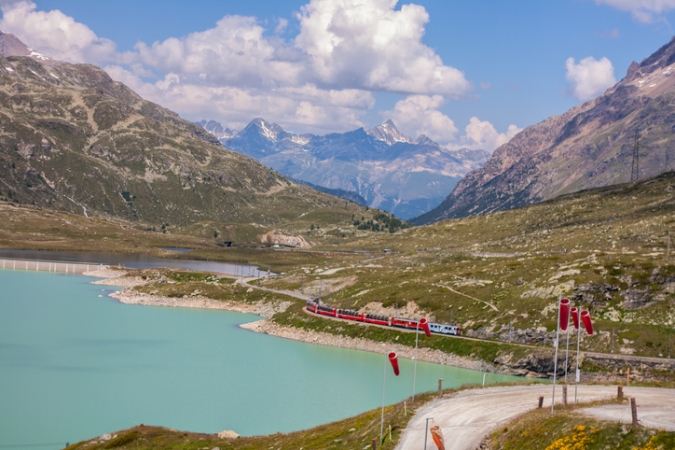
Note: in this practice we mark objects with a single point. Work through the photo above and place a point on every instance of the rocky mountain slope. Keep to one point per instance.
(589, 146)
(393, 172)
(73, 139)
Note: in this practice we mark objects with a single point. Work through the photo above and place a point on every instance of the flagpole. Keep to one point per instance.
(555, 360)
(417, 331)
(384, 383)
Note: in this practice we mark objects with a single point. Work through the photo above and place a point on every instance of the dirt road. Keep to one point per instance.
(468, 416)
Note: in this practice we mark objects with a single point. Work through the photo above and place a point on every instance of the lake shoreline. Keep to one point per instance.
(266, 310)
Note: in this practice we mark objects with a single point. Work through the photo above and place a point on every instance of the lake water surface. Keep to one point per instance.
(137, 261)
(74, 365)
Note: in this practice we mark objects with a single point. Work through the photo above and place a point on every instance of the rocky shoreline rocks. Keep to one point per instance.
(315, 337)
(266, 310)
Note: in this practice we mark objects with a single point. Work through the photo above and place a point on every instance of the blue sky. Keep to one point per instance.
(465, 73)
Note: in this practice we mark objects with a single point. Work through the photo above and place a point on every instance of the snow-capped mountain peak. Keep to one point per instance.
(10, 45)
(387, 132)
(271, 131)
(217, 129)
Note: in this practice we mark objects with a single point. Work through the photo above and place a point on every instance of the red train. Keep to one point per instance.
(348, 314)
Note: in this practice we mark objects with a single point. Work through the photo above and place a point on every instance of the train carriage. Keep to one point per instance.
(315, 307)
(400, 322)
(377, 319)
(349, 315)
(442, 328)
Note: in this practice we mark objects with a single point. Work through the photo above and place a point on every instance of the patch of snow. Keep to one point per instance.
(267, 132)
(302, 140)
(37, 55)
(652, 85)
(53, 75)
(9, 69)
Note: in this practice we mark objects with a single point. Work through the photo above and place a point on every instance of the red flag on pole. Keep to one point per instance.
(393, 359)
(586, 319)
(575, 317)
(424, 325)
(564, 313)
(437, 436)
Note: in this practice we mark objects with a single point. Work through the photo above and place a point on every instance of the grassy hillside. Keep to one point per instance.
(74, 140)
(605, 249)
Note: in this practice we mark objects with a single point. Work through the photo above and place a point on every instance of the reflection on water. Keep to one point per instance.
(136, 261)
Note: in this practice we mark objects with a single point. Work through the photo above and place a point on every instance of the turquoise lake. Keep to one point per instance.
(74, 365)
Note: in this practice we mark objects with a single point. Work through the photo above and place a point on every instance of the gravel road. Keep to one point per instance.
(468, 416)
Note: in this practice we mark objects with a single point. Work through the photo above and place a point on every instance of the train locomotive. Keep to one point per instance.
(316, 307)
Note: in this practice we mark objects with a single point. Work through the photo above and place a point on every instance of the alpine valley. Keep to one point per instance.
(72, 139)
(391, 171)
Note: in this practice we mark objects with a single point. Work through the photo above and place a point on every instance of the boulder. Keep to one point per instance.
(228, 434)
(273, 238)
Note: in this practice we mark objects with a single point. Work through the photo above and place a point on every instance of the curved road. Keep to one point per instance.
(466, 417)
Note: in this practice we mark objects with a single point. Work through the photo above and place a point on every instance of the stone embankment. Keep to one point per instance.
(315, 337)
(131, 297)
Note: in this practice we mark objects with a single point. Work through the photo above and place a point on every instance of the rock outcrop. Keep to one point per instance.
(273, 238)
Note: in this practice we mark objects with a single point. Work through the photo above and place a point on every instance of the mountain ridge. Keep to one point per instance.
(589, 146)
(389, 170)
(73, 139)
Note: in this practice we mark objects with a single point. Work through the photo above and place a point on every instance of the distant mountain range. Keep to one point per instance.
(391, 171)
(591, 145)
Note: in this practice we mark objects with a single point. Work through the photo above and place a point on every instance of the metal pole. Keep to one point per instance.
(612, 342)
(417, 331)
(384, 383)
(426, 431)
(567, 351)
(577, 374)
(555, 359)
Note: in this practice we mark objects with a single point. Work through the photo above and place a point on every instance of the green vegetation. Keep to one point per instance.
(355, 432)
(566, 430)
(381, 222)
(74, 140)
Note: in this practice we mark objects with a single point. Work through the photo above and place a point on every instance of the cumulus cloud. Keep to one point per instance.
(642, 10)
(420, 114)
(55, 34)
(483, 135)
(304, 107)
(369, 45)
(590, 77)
(322, 79)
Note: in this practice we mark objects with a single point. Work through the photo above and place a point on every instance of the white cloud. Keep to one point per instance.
(642, 10)
(54, 34)
(282, 24)
(233, 53)
(590, 77)
(303, 108)
(483, 135)
(322, 80)
(370, 45)
(419, 114)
